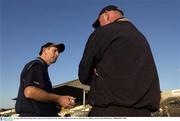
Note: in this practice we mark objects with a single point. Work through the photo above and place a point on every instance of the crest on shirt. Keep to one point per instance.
(35, 82)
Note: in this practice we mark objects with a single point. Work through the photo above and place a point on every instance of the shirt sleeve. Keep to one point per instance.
(34, 76)
(96, 46)
(88, 60)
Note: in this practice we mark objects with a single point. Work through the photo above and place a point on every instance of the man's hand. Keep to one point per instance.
(66, 101)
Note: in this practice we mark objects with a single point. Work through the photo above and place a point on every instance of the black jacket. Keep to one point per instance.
(126, 72)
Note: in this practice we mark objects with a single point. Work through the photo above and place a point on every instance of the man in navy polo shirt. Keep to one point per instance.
(35, 97)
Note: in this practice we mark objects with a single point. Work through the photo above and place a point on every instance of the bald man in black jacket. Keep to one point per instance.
(118, 65)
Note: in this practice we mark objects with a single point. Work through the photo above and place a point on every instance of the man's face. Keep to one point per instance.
(51, 54)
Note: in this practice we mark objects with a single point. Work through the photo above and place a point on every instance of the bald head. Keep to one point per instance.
(109, 16)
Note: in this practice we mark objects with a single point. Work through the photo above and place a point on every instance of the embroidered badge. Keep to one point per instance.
(35, 82)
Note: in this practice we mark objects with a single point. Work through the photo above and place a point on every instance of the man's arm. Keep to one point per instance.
(87, 65)
(38, 94)
(93, 52)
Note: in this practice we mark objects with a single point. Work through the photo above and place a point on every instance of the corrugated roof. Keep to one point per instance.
(74, 83)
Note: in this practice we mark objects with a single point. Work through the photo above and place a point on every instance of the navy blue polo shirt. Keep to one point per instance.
(35, 73)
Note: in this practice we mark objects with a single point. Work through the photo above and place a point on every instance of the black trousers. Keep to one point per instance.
(35, 115)
(27, 115)
(116, 111)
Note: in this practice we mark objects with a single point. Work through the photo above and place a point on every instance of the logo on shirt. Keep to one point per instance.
(35, 82)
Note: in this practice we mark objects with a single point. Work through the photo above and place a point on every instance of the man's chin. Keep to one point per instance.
(54, 61)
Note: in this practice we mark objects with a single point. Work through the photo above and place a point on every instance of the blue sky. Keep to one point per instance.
(27, 24)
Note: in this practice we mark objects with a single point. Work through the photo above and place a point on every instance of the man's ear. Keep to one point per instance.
(45, 50)
(108, 16)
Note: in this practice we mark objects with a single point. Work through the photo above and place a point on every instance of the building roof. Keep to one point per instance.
(74, 83)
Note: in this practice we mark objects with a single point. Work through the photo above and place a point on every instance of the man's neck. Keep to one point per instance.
(45, 60)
